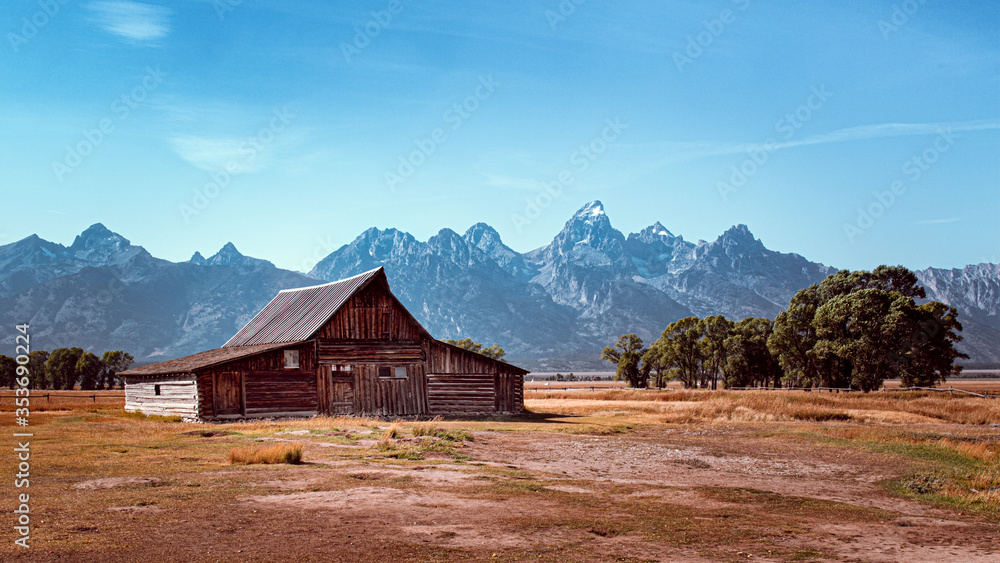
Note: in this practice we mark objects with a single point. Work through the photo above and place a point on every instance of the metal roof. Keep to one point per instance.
(296, 314)
(201, 360)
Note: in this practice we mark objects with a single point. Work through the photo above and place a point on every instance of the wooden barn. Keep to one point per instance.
(344, 348)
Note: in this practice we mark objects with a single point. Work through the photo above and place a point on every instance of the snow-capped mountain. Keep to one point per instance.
(554, 307)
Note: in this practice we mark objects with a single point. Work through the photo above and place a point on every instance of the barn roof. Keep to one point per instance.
(201, 360)
(296, 314)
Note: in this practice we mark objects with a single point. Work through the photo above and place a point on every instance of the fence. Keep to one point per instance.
(949, 390)
(50, 396)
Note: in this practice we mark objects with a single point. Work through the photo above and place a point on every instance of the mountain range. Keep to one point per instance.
(552, 308)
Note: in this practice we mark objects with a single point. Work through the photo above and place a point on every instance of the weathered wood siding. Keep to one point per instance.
(371, 314)
(386, 396)
(461, 394)
(178, 395)
(265, 386)
(465, 383)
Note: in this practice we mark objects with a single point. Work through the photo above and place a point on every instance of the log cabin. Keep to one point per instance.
(343, 348)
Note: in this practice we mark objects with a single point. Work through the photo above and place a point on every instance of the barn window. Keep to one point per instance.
(384, 371)
(156, 389)
(291, 359)
(400, 373)
(392, 372)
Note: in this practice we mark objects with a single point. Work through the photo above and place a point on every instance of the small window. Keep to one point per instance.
(291, 359)
(400, 373)
(156, 389)
(384, 371)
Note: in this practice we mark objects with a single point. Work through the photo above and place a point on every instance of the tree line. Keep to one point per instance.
(65, 368)
(854, 329)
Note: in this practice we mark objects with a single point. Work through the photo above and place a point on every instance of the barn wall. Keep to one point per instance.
(383, 396)
(267, 387)
(178, 395)
(371, 314)
(465, 383)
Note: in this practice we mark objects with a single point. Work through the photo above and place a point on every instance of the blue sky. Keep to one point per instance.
(854, 133)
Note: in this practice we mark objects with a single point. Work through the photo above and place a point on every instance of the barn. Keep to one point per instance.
(343, 348)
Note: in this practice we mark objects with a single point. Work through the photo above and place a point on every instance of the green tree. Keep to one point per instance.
(793, 338)
(652, 362)
(60, 368)
(716, 329)
(682, 351)
(749, 362)
(627, 353)
(8, 371)
(928, 352)
(115, 362)
(492, 351)
(865, 328)
(89, 369)
(36, 365)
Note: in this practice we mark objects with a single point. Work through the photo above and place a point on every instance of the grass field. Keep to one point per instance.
(604, 475)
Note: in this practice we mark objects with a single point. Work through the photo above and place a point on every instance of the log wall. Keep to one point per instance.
(271, 386)
(178, 395)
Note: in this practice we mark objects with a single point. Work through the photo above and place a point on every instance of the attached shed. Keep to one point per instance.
(344, 348)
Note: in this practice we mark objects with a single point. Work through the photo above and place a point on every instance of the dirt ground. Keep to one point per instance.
(550, 486)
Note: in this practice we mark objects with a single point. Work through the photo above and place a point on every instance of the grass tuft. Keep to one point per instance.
(278, 453)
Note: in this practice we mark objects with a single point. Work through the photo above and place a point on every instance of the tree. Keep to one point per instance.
(866, 328)
(715, 329)
(60, 368)
(682, 351)
(652, 362)
(749, 362)
(928, 352)
(493, 351)
(89, 369)
(8, 371)
(793, 337)
(627, 355)
(36, 366)
(115, 362)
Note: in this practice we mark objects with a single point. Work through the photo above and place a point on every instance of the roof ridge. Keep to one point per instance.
(329, 283)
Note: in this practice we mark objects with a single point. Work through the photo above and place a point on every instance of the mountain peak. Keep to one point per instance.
(197, 259)
(229, 256)
(100, 245)
(591, 211)
(739, 233)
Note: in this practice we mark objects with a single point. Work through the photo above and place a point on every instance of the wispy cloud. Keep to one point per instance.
(938, 221)
(216, 154)
(685, 151)
(135, 22)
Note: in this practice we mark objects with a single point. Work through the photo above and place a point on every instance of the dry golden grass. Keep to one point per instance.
(278, 453)
(684, 407)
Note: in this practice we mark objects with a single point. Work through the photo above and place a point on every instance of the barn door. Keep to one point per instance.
(341, 392)
(228, 393)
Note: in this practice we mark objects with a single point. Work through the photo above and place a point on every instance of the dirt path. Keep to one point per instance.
(708, 493)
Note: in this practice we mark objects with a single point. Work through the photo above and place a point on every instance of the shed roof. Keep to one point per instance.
(201, 360)
(296, 314)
